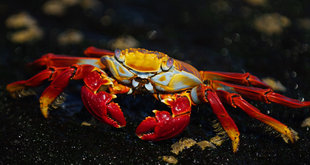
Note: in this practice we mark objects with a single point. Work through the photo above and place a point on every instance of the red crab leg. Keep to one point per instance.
(59, 77)
(96, 52)
(235, 100)
(53, 60)
(240, 78)
(164, 125)
(98, 102)
(55, 89)
(219, 110)
(265, 95)
(38, 79)
(205, 94)
(59, 82)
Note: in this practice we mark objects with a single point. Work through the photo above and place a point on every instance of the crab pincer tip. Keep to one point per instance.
(154, 111)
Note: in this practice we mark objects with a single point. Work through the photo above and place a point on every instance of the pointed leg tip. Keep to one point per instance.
(44, 111)
(44, 106)
(235, 144)
(44, 102)
(15, 86)
(293, 135)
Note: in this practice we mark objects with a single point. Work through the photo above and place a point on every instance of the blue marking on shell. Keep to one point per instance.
(168, 76)
(125, 74)
(166, 82)
(194, 96)
(93, 62)
(117, 53)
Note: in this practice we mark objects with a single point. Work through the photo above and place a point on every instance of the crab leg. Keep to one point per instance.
(59, 83)
(265, 95)
(97, 101)
(59, 76)
(96, 52)
(53, 60)
(235, 100)
(164, 125)
(54, 90)
(206, 94)
(38, 79)
(240, 78)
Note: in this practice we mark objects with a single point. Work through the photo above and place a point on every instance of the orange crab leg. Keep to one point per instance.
(99, 103)
(164, 125)
(96, 52)
(226, 121)
(235, 100)
(265, 95)
(205, 94)
(53, 60)
(59, 83)
(38, 79)
(240, 78)
(33, 81)
(54, 90)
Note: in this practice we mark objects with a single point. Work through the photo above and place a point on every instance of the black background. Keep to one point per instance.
(198, 32)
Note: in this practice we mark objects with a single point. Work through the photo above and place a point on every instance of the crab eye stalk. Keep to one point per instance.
(166, 66)
(118, 55)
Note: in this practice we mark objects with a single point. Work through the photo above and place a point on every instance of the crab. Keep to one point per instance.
(175, 83)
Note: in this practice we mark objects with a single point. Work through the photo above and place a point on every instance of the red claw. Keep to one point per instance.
(145, 130)
(162, 126)
(101, 106)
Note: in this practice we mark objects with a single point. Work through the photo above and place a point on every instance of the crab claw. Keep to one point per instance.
(162, 126)
(101, 106)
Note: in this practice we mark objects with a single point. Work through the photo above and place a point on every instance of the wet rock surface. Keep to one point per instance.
(210, 35)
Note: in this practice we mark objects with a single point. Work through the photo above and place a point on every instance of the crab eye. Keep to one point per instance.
(168, 64)
(118, 55)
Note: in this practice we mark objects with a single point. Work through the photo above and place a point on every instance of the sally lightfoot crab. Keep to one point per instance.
(175, 83)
